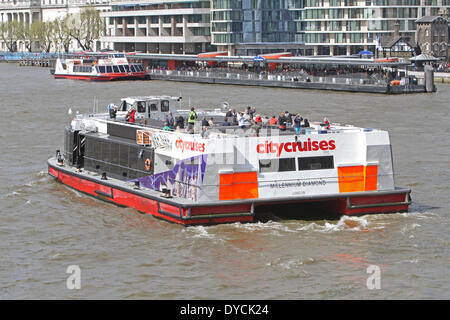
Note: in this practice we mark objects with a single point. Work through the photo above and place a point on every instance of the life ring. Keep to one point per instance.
(148, 164)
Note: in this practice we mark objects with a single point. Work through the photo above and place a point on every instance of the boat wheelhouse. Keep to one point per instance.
(225, 174)
(98, 67)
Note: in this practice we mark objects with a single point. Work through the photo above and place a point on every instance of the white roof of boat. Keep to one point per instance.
(151, 98)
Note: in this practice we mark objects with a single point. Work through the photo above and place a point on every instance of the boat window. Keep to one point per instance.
(153, 107)
(119, 55)
(164, 105)
(102, 69)
(123, 155)
(122, 69)
(108, 69)
(316, 163)
(127, 68)
(140, 106)
(116, 69)
(133, 156)
(139, 67)
(277, 165)
(132, 68)
(106, 151)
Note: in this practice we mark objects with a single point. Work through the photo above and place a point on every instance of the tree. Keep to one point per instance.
(43, 32)
(87, 27)
(62, 32)
(10, 34)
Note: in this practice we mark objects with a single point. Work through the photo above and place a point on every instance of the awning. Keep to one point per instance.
(212, 54)
(424, 57)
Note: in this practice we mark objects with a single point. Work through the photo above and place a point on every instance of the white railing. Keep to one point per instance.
(288, 77)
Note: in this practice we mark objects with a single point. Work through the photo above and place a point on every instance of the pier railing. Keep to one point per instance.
(288, 77)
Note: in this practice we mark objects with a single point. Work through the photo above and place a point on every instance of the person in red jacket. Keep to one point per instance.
(326, 124)
(130, 115)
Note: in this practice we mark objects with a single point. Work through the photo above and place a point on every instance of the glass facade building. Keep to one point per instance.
(336, 27)
(257, 26)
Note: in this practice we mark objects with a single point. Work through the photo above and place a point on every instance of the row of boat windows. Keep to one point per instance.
(125, 68)
(121, 160)
(289, 164)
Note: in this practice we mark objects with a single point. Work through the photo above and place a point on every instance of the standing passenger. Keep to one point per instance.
(192, 117)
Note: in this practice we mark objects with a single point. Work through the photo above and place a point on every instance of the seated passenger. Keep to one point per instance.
(273, 121)
(326, 124)
(225, 122)
(205, 122)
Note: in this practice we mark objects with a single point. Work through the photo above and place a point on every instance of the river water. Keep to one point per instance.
(46, 227)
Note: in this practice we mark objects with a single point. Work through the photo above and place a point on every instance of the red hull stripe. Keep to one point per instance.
(156, 208)
(103, 77)
(214, 214)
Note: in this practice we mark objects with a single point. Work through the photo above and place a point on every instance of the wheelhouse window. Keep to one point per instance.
(316, 163)
(141, 106)
(277, 165)
(164, 105)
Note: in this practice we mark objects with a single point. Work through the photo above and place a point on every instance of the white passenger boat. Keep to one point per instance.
(225, 174)
(98, 67)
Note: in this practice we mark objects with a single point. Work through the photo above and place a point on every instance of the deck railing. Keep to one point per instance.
(280, 77)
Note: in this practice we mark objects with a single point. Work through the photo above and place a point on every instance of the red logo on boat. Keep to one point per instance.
(308, 145)
(189, 145)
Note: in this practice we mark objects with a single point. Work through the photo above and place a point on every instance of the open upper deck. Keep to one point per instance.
(152, 112)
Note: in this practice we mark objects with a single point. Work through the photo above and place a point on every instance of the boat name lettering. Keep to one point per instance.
(277, 148)
(189, 145)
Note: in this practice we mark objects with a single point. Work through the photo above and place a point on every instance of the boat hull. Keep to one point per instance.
(221, 211)
(105, 77)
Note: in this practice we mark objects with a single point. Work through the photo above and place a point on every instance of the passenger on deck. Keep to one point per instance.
(273, 121)
(256, 126)
(326, 124)
(192, 117)
(205, 122)
(282, 122)
(130, 115)
(288, 117)
(211, 122)
(305, 123)
(112, 108)
(241, 120)
(170, 122)
(247, 118)
(179, 122)
(297, 123)
(225, 122)
(258, 119)
(265, 120)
